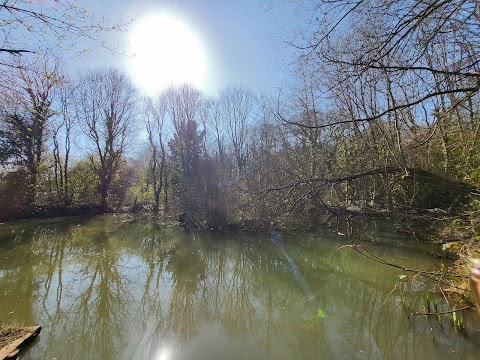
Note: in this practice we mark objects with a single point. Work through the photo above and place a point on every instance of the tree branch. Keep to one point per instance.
(444, 312)
(16, 51)
(371, 65)
(410, 173)
(472, 90)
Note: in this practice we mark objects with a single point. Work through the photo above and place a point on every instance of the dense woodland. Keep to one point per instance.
(383, 120)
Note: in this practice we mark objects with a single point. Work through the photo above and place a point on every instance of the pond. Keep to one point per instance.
(117, 287)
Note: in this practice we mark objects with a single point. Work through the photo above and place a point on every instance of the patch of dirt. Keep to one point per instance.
(9, 334)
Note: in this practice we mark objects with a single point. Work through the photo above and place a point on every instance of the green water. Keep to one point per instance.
(111, 288)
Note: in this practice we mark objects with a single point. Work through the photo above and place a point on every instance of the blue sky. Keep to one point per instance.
(242, 38)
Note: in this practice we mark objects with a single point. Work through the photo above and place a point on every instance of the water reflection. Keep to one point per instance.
(109, 289)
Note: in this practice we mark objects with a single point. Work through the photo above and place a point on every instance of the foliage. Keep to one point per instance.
(84, 180)
(13, 193)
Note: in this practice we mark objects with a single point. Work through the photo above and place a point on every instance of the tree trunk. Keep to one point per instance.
(103, 196)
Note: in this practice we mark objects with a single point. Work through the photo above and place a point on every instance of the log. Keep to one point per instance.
(10, 351)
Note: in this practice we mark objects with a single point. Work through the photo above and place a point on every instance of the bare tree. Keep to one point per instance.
(183, 108)
(105, 109)
(237, 104)
(61, 134)
(404, 76)
(28, 25)
(27, 110)
(217, 123)
(347, 39)
(155, 119)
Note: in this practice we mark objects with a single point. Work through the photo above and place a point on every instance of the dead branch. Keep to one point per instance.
(16, 51)
(427, 274)
(444, 312)
(416, 174)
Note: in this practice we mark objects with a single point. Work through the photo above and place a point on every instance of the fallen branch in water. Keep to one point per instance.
(428, 274)
(444, 312)
(389, 294)
(361, 250)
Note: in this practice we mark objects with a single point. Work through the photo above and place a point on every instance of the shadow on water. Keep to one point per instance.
(104, 288)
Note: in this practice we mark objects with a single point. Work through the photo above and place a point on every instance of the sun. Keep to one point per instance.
(165, 51)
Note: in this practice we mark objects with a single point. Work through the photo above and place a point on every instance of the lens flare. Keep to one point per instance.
(165, 51)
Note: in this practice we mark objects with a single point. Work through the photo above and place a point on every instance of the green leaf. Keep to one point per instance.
(321, 314)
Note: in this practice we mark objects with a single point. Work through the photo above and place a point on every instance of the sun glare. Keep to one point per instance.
(165, 51)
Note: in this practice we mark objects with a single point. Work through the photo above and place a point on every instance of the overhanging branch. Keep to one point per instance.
(471, 90)
(16, 51)
(409, 173)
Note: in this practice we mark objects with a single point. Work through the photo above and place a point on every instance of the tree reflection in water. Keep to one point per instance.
(112, 290)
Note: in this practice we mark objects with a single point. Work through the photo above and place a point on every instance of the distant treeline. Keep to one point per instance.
(384, 119)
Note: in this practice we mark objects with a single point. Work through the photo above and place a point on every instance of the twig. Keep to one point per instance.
(388, 296)
(428, 274)
(444, 312)
(340, 248)
(376, 258)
